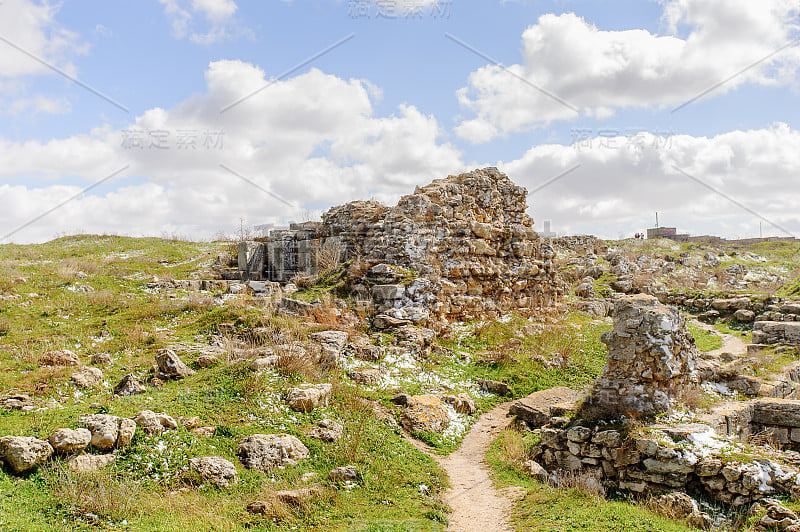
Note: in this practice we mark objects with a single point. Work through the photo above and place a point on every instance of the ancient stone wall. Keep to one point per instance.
(651, 358)
(777, 332)
(468, 236)
(663, 460)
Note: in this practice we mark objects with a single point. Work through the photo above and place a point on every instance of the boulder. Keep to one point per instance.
(100, 359)
(307, 397)
(297, 497)
(206, 361)
(331, 342)
(784, 412)
(388, 292)
(417, 335)
(62, 357)
(17, 401)
(87, 377)
(68, 441)
(461, 403)
(499, 388)
(216, 470)
(129, 385)
(744, 316)
(263, 452)
(22, 453)
(154, 423)
(327, 430)
(534, 409)
(344, 474)
(85, 463)
(170, 366)
(585, 290)
(426, 414)
(384, 321)
(535, 470)
(365, 376)
(109, 432)
(260, 364)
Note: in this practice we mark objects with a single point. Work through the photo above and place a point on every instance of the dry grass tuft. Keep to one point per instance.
(578, 480)
(330, 255)
(512, 448)
(97, 492)
(292, 361)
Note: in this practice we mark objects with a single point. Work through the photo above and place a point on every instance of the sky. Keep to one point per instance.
(197, 118)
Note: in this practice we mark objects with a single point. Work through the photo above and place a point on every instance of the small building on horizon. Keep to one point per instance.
(667, 232)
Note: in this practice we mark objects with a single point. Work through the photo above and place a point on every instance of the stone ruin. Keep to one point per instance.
(459, 248)
(651, 359)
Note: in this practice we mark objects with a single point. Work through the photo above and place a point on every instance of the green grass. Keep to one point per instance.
(576, 338)
(705, 340)
(545, 508)
(739, 330)
(122, 317)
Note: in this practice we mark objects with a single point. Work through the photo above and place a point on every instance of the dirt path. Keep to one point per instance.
(730, 343)
(476, 504)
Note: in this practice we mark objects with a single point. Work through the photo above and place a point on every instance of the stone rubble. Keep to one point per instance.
(263, 452)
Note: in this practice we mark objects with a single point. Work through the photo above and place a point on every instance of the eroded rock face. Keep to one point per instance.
(425, 413)
(109, 432)
(68, 441)
(22, 453)
(170, 366)
(651, 358)
(154, 423)
(266, 451)
(216, 470)
(307, 397)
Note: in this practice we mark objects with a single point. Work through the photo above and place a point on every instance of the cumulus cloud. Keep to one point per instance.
(32, 27)
(595, 72)
(620, 182)
(312, 140)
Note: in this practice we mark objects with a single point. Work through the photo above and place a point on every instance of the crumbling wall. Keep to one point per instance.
(651, 358)
(468, 235)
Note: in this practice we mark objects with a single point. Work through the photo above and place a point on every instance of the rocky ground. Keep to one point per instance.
(141, 392)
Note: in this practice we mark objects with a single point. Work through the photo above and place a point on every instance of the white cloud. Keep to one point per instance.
(622, 182)
(218, 18)
(597, 71)
(39, 104)
(32, 27)
(312, 139)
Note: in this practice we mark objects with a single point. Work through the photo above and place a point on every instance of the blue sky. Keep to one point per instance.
(397, 105)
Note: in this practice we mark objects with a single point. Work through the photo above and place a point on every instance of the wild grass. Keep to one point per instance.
(705, 340)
